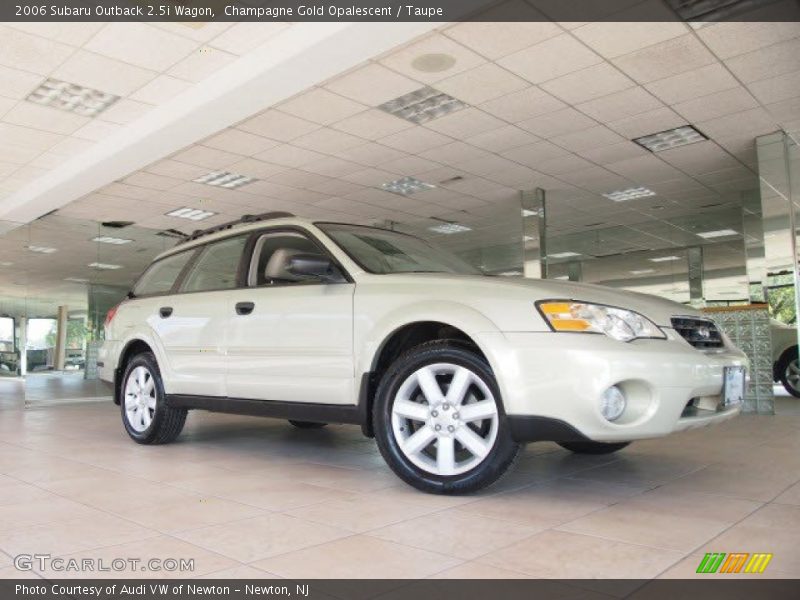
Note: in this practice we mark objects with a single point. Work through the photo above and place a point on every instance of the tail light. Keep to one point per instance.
(110, 315)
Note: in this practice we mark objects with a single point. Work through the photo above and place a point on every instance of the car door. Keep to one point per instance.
(290, 338)
(192, 323)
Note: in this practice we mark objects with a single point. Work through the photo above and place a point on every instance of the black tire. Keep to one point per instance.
(500, 457)
(307, 424)
(166, 422)
(593, 447)
(782, 370)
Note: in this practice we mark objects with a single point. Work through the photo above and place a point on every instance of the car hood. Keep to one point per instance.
(658, 310)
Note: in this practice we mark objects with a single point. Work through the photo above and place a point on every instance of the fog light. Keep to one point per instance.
(612, 403)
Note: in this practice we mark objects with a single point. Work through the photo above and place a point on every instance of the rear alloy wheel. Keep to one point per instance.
(789, 373)
(439, 422)
(146, 416)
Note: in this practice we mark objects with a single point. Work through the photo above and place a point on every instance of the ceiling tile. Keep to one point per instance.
(97, 130)
(776, 89)
(370, 177)
(289, 156)
(17, 84)
(372, 124)
(613, 39)
(371, 154)
(497, 39)
(46, 118)
(502, 138)
(178, 170)
(550, 59)
(645, 169)
(240, 142)
(276, 125)
(372, 84)
(103, 73)
(785, 110)
(403, 60)
(409, 165)
(151, 181)
(321, 106)
(652, 121)
(465, 123)
(160, 89)
(20, 50)
(328, 141)
(210, 158)
(484, 166)
(729, 38)
(332, 166)
(665, 59)
(482, 83)
(693, 84)
(753, 122)
(771, 61)
(201, 63)
(557, 123)
(563, 164)
(703, 157)
(588, 84)
(522, 105)
(622, 104)
(613, 153)
(74, 34)
(415, 140)
(125, 111)
(586, 139)
(244, 37)
(141, 44)
(453, 153)
(258, 169)
(716, 105)
(534, 154)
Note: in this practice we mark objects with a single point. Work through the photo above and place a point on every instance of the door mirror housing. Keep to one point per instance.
(314, 266)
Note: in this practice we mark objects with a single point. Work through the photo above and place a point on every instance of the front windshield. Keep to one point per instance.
(383, 252)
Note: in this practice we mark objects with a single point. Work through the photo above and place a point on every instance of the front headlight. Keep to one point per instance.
(617, 323)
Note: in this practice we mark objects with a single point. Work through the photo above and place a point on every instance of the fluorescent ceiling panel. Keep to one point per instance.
(423, 105)
(71, 97)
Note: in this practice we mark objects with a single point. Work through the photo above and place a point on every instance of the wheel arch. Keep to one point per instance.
(785, 355)
(131, 348)
(404, 330)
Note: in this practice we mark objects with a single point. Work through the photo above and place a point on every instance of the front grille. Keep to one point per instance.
(700, 333)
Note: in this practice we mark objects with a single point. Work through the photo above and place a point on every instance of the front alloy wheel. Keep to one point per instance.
(790, 375)
(445, 419)
(439, 422)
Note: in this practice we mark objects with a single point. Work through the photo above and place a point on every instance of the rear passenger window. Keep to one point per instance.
(216, 267)
(161, 275)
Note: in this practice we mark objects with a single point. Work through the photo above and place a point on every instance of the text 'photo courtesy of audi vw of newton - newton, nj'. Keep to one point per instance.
(451, 371)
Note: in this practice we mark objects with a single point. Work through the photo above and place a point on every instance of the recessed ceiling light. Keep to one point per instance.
(406, 186)
(664, 259)
(423, 105)
(563, 255)
(671, 138)
(74, 98)
(629, 194)
(450, 228)
(527, 212)
(106, 239)
(193, 214)
(41, 249)
(642, 271)
(224, 179)
(717, 233)
(104, 266)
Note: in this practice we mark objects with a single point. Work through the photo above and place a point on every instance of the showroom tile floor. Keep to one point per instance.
(250, 497)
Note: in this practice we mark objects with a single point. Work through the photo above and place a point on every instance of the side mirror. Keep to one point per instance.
(314, 266)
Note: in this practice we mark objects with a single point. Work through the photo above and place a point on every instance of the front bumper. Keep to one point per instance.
(551, 384)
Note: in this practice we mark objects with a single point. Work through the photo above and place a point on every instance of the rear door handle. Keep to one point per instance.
(165, 311)
(244, 308)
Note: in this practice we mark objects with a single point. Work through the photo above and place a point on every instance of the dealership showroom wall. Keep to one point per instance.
(658, 157)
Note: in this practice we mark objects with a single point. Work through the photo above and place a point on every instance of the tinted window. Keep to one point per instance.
(272, 254)
(216, 267)
(161, 275)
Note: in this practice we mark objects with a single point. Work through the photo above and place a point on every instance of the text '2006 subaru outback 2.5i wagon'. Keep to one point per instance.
(450, 370)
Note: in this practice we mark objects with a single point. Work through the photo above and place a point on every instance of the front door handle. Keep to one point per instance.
(165, 311)
(244, 308)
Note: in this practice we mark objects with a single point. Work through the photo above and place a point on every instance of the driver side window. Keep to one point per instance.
(272, 255)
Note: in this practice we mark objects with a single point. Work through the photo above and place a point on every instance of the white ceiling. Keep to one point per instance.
(552, 105)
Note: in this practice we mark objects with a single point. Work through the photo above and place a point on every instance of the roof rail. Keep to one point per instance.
(230, 224)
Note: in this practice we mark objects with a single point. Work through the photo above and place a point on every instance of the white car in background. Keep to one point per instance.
(450, 370)
(784, 356)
